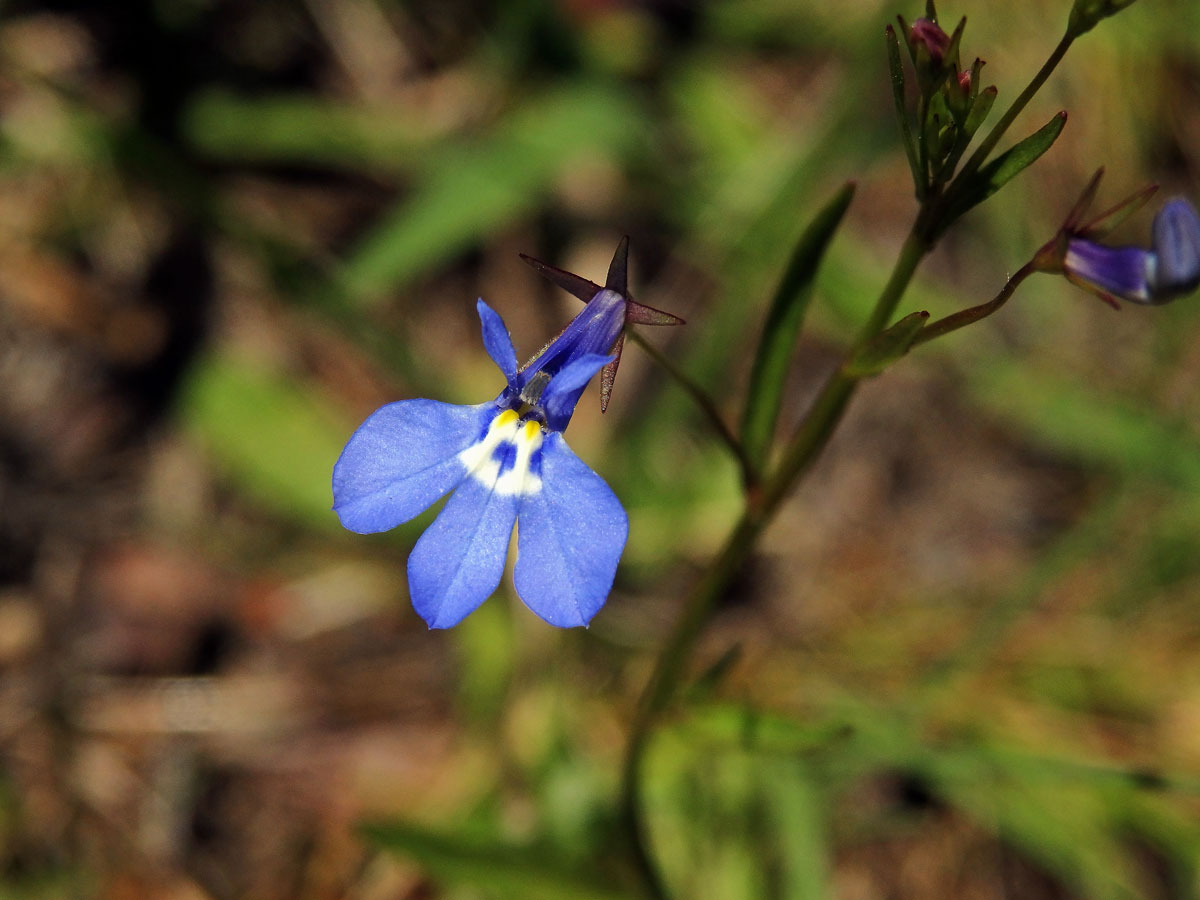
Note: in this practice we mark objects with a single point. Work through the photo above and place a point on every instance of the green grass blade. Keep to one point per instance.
(501, 869)
(473, 190)
(274, 438)
(301, 129)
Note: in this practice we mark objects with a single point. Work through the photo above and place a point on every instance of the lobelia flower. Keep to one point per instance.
(1170, 268)
(507, 463)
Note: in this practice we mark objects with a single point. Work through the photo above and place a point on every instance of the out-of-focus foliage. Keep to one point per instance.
(229, 231)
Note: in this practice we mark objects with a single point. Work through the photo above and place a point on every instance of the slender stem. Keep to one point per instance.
(963, 317)
(1010, 115)
(664, 680)
(762, 502)
(704, 401)
(671, 664)
(915, 246)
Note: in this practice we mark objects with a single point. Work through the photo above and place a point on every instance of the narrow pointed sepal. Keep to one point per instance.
(570, 537)
(609, 373)
(1073, 222)
(402, 459)
(573, 284)
(1115, 215)
(618, 269)
(641, 314)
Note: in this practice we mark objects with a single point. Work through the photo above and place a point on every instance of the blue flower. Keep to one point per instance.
(507, 463)
(1169, 269)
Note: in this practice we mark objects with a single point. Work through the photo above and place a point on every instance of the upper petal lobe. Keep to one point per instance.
(496, 341)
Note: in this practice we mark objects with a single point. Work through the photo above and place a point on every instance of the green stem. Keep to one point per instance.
(702, 400)
(964, 317)
(993, 137)
(672, 662)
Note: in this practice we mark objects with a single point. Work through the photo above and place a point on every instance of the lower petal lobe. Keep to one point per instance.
(570, 536)
(458, 561)
(402, 459)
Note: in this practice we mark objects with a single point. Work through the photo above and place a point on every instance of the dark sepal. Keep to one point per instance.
(1106, 221)
(641, 314)
(609, 373)
(618, 269)
(573, 284)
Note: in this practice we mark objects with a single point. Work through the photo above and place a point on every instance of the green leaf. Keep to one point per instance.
(504, 869)
(275, 437)
(896, 67)
(977, 187)
(886, 347)
(796, 809)
(980, 110)
(773, 357)
(474, 189)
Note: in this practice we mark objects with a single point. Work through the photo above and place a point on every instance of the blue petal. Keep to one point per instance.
(594, 330)
(569, 539)
(564, 389)
(1177, 247)
(496, 340)
(1121, 271)
(458, 561)
(401, 459)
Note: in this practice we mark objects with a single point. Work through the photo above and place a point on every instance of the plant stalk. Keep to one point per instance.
(706, 404)
(993, 137)
(672, 662)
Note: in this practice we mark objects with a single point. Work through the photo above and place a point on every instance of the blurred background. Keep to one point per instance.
(965, 661)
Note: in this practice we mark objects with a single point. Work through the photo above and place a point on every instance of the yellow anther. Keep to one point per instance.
(505, 418)
(532, 429)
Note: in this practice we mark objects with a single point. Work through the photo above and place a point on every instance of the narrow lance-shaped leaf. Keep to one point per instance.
(504, 869)
(952, 51)
(783, 327)
(886, 347)
(897, 70)
(975, 118)
(980, 185)
(938, 133)
(980, 110)
(906, 31)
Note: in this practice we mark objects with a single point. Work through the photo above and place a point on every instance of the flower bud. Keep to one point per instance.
(1086, 14)
(927, 33)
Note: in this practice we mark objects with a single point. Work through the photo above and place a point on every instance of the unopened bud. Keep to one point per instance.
(1086, 14)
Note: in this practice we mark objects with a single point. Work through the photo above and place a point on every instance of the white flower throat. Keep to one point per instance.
(488, 467)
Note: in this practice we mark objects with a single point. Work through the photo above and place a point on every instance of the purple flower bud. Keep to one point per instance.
(929, 33)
